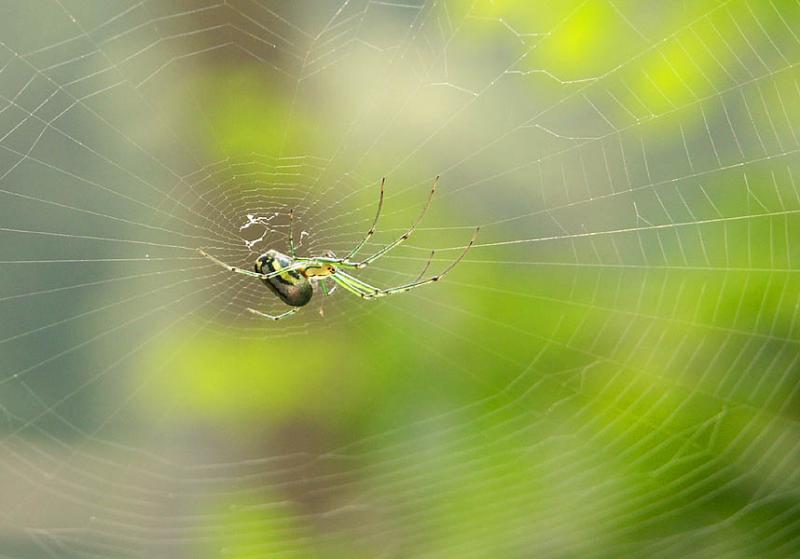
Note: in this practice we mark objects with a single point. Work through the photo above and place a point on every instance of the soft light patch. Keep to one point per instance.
(591, 41)
(225, 378)
(675, 75)
(248, 113)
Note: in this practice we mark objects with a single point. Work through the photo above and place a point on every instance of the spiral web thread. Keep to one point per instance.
(662, 234)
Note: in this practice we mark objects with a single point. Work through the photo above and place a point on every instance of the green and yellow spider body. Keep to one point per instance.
(293, 285)
(292, 277)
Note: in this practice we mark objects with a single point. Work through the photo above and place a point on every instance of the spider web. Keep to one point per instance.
(612, 370)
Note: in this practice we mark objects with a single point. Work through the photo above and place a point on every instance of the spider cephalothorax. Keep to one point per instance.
(292, 277)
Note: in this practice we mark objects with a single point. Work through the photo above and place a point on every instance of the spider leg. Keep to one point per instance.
(425, 269)
(367, 291)
(421, 282)
(242, 271)
(346, 263)
(325, 289)
(346, 281)
(362, 286)
(372, 227)
(273, 317)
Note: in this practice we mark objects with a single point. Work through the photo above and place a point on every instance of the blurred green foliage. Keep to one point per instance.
(642, 418)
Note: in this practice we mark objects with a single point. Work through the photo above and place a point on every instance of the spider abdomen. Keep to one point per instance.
(291, 287)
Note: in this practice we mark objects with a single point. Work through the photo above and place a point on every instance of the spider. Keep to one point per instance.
(291, 277)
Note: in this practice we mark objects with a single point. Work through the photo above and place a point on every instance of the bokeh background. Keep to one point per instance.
(612, 371)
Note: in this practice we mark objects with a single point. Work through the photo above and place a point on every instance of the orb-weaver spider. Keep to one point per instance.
(291, 277)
